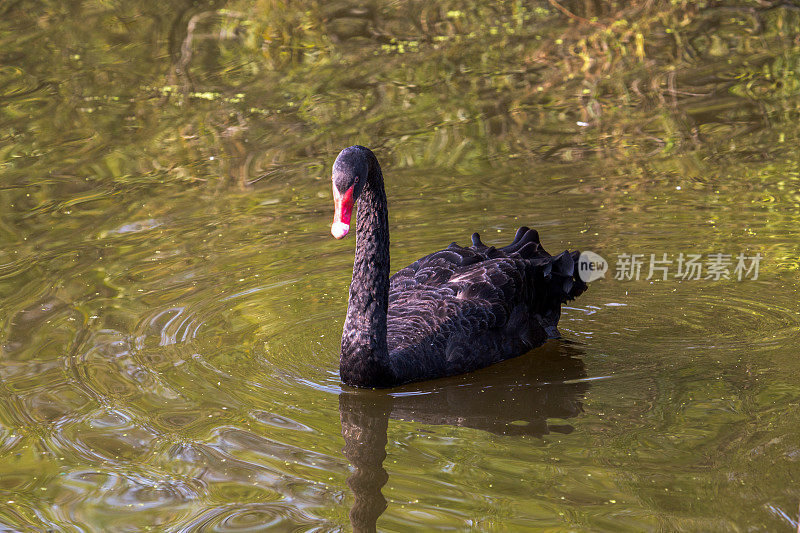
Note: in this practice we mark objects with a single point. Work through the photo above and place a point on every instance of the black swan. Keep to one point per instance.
(450, 312)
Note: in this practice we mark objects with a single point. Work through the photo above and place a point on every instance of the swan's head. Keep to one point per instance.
(349, 174)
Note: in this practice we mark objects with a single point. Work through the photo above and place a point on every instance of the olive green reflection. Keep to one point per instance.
(171, 300)
(516, 397)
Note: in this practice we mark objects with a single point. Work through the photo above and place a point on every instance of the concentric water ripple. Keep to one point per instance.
(171, 301)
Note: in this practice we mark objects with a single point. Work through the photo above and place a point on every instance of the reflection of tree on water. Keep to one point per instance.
(516, 397)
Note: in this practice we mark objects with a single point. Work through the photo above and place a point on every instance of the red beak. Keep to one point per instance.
(342, 211)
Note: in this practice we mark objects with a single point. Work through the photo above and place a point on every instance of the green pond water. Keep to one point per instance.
(171, 300)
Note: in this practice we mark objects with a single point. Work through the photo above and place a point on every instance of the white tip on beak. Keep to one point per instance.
(339, 229)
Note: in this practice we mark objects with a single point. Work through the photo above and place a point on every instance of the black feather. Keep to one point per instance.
(453, 311)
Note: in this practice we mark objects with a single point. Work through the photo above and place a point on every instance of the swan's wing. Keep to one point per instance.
(477, 296)
(478, 268)
(475, 318)
(466, 307)
(435, 269)
(485, 284)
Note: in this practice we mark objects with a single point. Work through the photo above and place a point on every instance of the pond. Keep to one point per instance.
(171, 300)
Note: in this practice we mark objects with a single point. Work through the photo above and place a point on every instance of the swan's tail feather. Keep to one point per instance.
(522, 240)
(579, 287)
(520, 233)
(557, 275)
(560, 283)
(565, 272)
(563, 264)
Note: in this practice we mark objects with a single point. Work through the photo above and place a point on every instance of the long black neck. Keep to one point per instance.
(364, 355)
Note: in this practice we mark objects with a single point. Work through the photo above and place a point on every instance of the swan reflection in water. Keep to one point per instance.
(516, 397)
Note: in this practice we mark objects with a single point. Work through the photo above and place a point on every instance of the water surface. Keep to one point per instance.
(171, 300)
